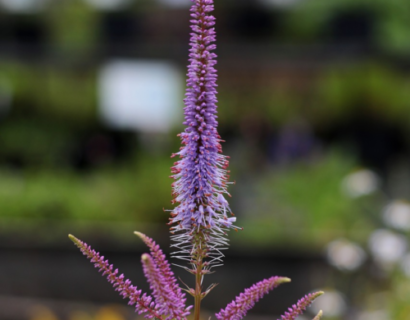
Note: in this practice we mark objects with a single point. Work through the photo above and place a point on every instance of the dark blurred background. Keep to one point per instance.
(314, 103)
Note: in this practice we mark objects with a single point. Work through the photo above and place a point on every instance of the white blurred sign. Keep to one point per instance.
(280, 3)
(176, 3)
(23, 6)
(141, 95)
(108, 4)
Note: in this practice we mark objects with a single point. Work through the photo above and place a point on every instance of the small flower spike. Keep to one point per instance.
(201, 175)
(166, 300)
(238, 308)
(318, 316)
(162, 280)
(167, 276)
(143, 303)
(301, 305)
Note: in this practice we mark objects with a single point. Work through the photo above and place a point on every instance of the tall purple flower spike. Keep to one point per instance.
(200, 175)
(238, 308)
(301, 305)
(201, 219)
(166, 304)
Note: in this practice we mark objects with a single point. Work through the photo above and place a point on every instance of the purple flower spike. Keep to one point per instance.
(238, 308)
(301, 305)
(200, 174)
(167, 301)
(162, 280)
(143, 303)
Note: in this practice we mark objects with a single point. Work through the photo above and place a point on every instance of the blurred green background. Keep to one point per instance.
(314, 105)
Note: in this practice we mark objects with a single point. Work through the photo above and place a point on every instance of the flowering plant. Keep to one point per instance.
(200, 221)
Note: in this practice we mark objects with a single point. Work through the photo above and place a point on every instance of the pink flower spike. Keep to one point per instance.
(301, 305)
(238, 308)
(167, 301)
(168, 279)
(124, 287)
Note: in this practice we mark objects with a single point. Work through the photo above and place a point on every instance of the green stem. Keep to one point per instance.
(199, 256)
(198, 294)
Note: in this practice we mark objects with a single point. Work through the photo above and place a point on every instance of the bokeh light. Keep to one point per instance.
(345, 255)
(397, 215)
(332, 304)
(360, 183)
(387, 246)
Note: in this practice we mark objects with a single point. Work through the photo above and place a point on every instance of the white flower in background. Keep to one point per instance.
(405, 264)
(360, 183)
(387, 246)
(345, 255)
(397, 215)
(332, 304)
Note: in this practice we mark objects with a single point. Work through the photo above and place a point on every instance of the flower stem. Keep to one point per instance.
(199, 255)
(198, 294)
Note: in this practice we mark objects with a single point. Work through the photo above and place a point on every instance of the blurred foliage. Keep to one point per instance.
(399, 297)
(73, 27)
(308, 21)
(339, 92)
(53, 92)
(276, 106)
(136, 190)
(371, 88)
(303, 206)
